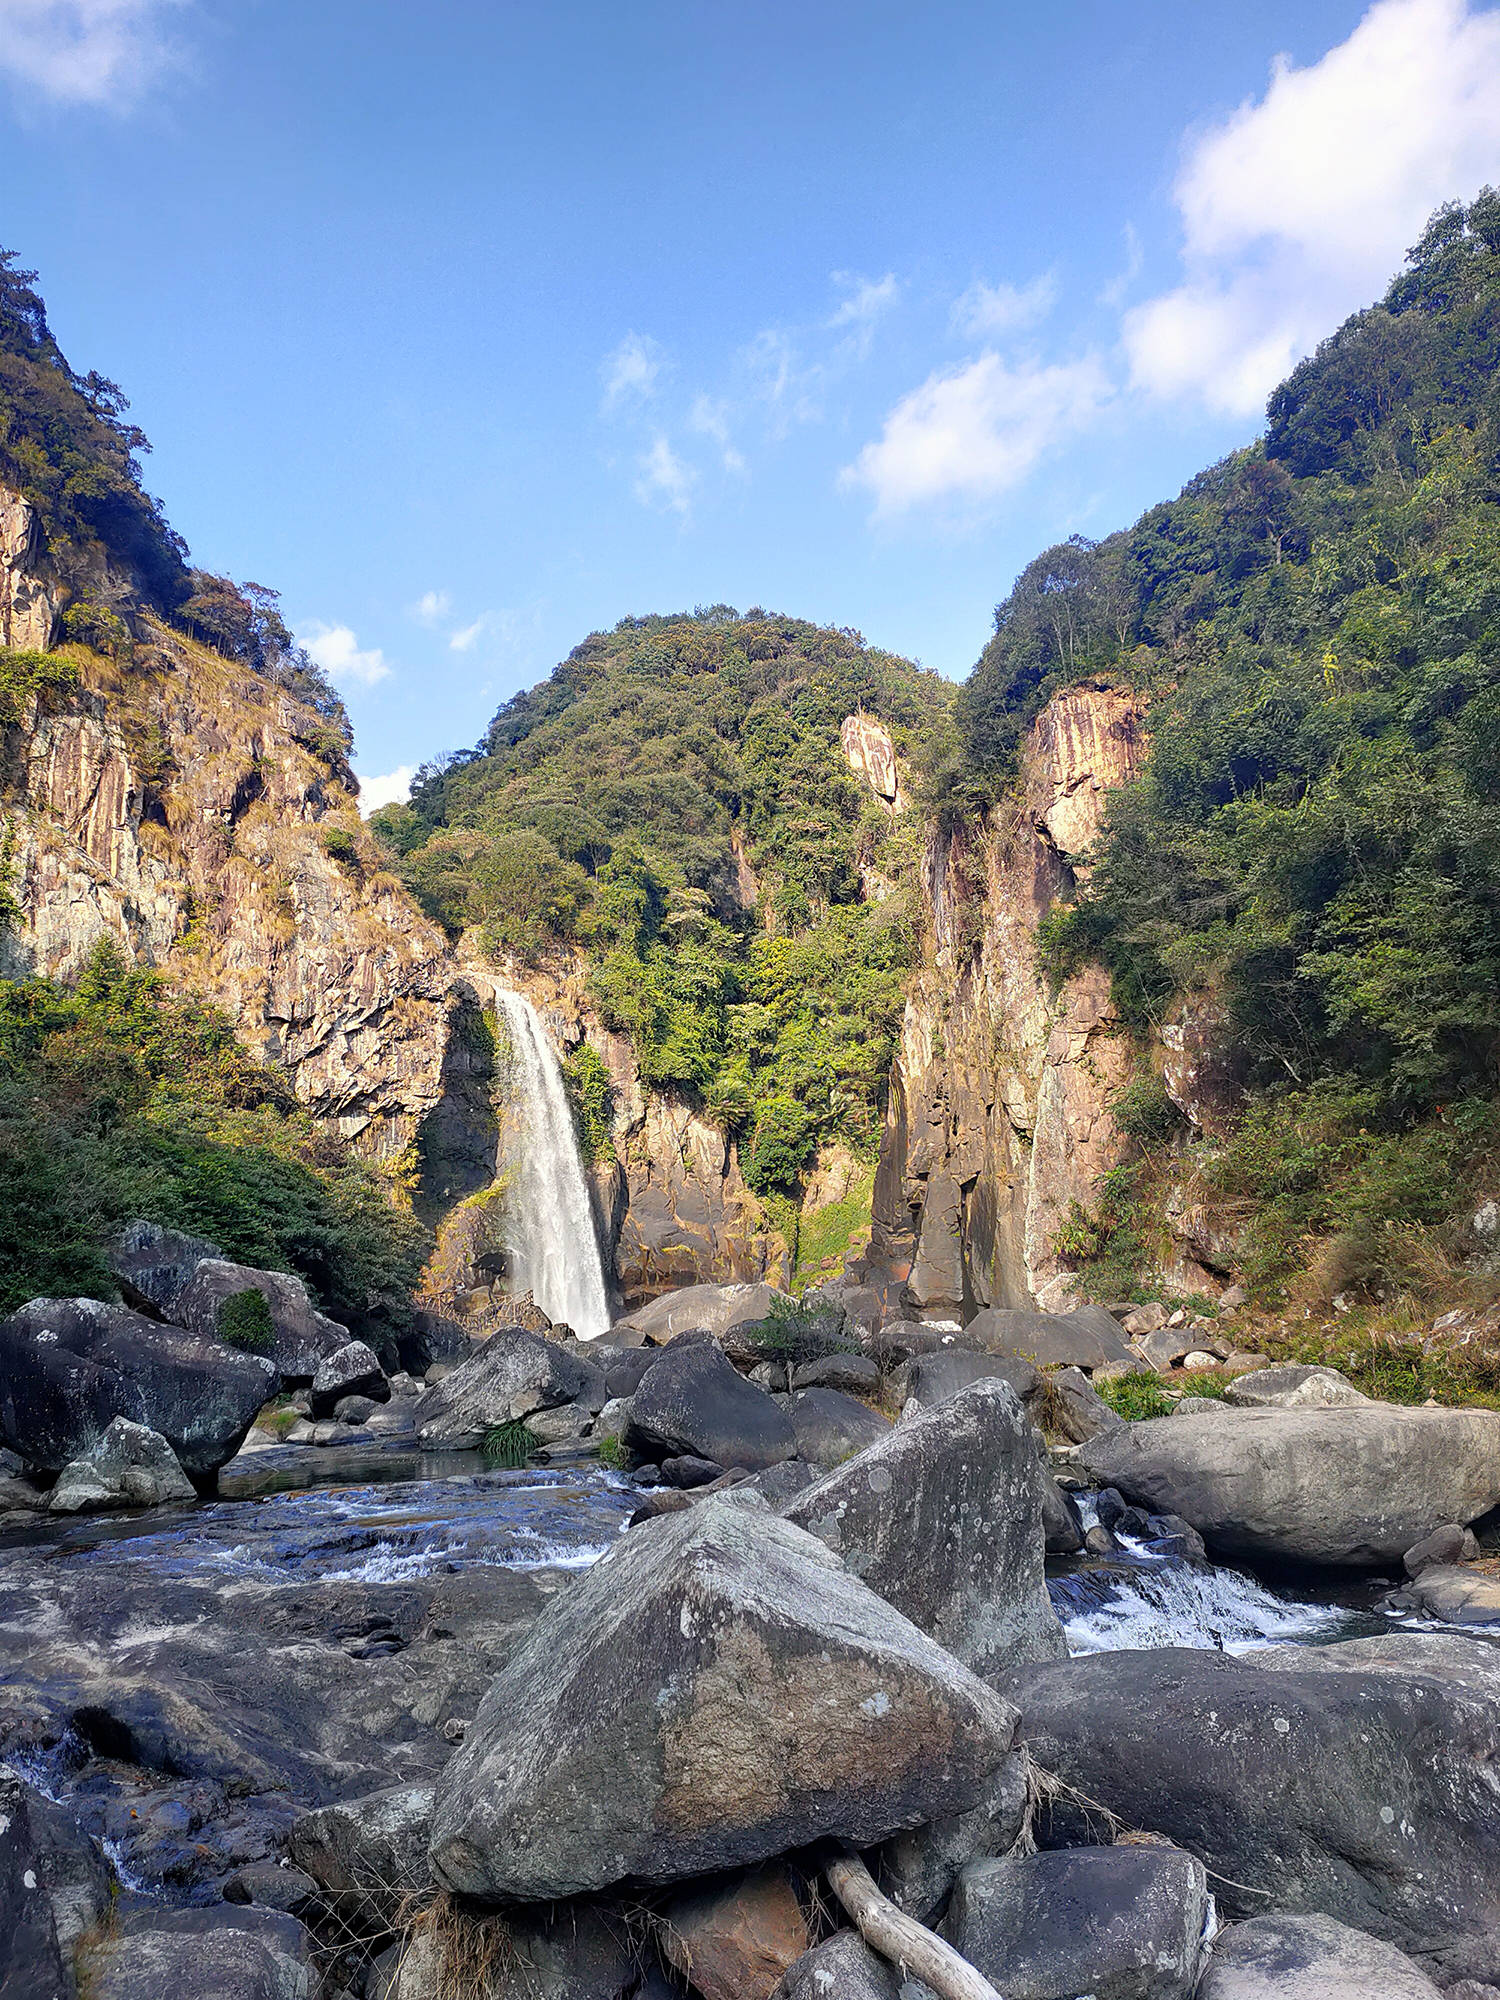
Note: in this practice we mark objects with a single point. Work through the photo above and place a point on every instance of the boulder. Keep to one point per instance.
(831, 1427)
(715, 1691)
(854, 1374)
(917, 1870)
(272, 1885)
(943, 1517)
(721, 1310)
(224, 1953)
(351, 1370)
(1077, 1411)
(367, 1854)
(1351, 1487)
(79, 1883)
(359, 1410)
(935, 1378)
(1448, 1544)
(510, 1375)
(1457, 1596)
(301, 1335)
(1309, 1958)
(1164, 1347)
(130, 1466)
(69, 1367)
(1088, 1338)
(31, 1963)
(1062, 1524)
(154, 1266)
(1447, 1657)
(1117, 1923)
(431, 1337)
(843, 1967)
(1293, 1387)
(1362, 1795)
(903, 1338)
(1142, 1321)
(695, 1401)
(736, 1940)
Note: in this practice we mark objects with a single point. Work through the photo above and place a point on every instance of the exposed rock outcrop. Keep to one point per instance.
(998, 1118)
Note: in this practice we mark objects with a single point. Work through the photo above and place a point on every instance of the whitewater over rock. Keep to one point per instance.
(549, 1224)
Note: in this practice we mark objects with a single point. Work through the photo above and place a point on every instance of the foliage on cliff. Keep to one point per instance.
(1314, 842)
(118, 1100)
(674, 800)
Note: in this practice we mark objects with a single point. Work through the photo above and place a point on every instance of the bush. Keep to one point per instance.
(340, 845)
(1135, 1397)
(1145, 1113)
(511, 1444)
(244, 1321)
(591, 1097)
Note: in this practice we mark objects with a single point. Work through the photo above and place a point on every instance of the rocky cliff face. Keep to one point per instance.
(998, 1117)
(28, 600)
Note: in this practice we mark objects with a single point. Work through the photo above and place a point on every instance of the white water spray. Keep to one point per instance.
(549, 1225)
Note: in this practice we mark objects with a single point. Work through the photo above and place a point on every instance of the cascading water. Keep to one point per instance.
(549, 1224)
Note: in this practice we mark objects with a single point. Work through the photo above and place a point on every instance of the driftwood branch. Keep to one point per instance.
(901, 1939)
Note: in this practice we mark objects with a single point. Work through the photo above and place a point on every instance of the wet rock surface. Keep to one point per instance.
(1309, 1958)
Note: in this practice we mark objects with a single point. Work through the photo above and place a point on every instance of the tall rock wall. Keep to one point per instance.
(998, 1117)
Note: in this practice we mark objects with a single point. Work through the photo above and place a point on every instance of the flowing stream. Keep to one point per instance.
(549, 1222)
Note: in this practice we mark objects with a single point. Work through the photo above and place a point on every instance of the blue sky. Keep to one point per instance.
(475, 326)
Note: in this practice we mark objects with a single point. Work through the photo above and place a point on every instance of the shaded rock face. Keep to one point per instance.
(31, 1965)
(130, 1466)
(943, 1517)
(509, 1376)
(154, 1266)
(736, 1942)
(688, 1216)
(842, 1968)
(1367, 1796)
(1354, 1487)
(1309, 1958)
(694, 1401)
(1119, 1923)
(69, 1367)
(998, 1115)
(234, 1954)
(715, 1691)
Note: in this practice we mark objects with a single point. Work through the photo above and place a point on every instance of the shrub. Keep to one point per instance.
(1145, 1113)
(244, 1321)
(511, 1444)
(340, 845)
(1135, 1397)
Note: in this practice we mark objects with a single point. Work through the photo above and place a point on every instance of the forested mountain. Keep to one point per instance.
(674, 802)
(1313, 851)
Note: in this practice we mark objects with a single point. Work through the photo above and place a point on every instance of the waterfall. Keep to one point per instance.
(549, 1224)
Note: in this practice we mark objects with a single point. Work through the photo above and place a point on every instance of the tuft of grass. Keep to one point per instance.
(511, 1444)
(244, 1321)
(1135, 1397)
(613, 1454)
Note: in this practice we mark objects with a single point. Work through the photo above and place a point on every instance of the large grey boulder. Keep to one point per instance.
(223, 1953)
(1350, 1487)
(130, 1466)
(1088, 1338)
(1293, 1386)
(1365, 1796)
(1472, 1665)
(831, 1427)
(1117, 1923)
(69, 1367)
(941, 1375)
(31, 1965)
(508, 1376)
(944, 1518)
(716, 1690)
(722, 1310)
(369, 1854)
(153, 1266)
(918, 1869)
(694, 1401)
(351, 1370)
(1309, 1958)
(302, 1335)
(1078, 1411)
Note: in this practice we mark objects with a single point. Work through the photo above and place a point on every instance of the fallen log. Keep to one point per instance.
(901, 1939)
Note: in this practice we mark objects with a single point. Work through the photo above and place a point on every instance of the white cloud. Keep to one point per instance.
(867, 298)
(432, 607)
(709, 417)
(388, 790)
(976, 431)
(665, 481)
(85, 51)
(463, 640)
(630, 374)
(984, 310)
(1299, 207)
(1113, 294)
(336, 650)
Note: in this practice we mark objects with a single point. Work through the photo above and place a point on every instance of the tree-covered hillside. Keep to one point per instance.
(674, 801)
(1314, 848)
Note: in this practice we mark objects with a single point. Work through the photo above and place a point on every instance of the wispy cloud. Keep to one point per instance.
(465, 639)
(388, 790)
(985, 310)
(1113, 294)
(709, 417)
(432, 607)
(1297, 208)
(665, 481)
(866, 298)
(102, 52)
(631, 372)
(973, 433)
(336, 650)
